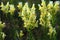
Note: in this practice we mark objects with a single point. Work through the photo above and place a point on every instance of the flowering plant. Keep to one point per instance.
(47, 17)
(28, 16)
(2, 35)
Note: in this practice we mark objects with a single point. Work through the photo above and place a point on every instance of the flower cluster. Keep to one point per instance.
(2, 35)
(12, 9)
(7, 8)
(47, 12)
(47, 17)
(52, 32)
(19, 5)
(28, 16)
(21, 33)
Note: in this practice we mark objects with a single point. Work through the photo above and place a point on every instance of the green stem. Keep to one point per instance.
(30, 36)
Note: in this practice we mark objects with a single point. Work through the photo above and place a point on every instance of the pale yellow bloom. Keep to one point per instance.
(43, 3)
(21, 33)
(2, 6)
(3, 35)
(56, 6)
(12, 9)
(5, 8)
(29, 17)
(2, 25)
(50, 5)
(19, 5)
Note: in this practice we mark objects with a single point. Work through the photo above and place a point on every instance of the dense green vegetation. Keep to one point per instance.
(29, 20)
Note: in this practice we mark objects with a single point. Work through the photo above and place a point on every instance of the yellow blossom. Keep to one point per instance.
(27, 13)
(21, 33)
(12, 9)
(50, 5)
(43, 3)
(19, 5)
(2, 25)
(56, 6)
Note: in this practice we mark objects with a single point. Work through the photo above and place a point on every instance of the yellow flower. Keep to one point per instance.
(2, 6)
(43, 3)
(5, 8)
(27, 13)
(19, 5)
(7, 4)
(49, 16)
(12, 9)
(2, 25)
(39, 6)
(33, 7)
(25, 6)
(51, 30)
(3, 35)
(56, 6)
(50, 5)
(21, 33)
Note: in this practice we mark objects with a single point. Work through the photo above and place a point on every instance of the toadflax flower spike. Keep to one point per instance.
(19, 5)
(12, 9)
